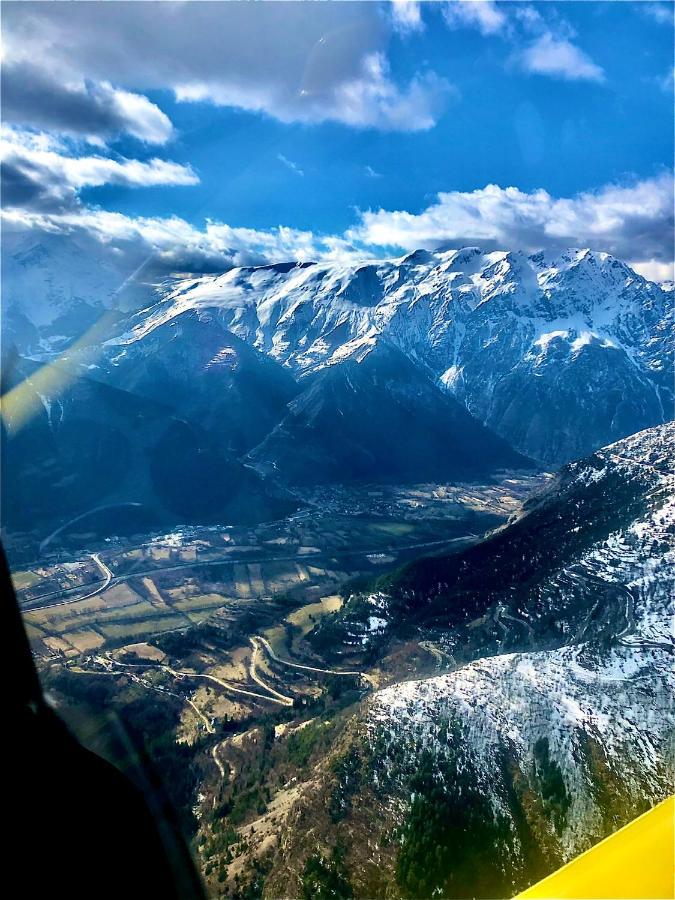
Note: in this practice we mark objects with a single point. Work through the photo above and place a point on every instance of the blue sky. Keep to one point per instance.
(361, 128)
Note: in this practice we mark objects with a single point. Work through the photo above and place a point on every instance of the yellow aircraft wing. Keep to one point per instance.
(635, 863)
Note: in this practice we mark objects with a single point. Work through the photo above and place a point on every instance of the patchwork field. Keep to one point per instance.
(183, 579)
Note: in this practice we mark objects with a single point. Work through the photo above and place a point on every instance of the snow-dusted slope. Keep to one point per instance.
(602, 710)
(559, 356)
(54, 288)
(495, 773)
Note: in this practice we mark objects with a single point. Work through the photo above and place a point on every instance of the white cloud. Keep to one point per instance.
(294, 167)
(667, 81)
(370, 99)
(177, 245)
(662, 13)
(294, 62)
(373, 99)
(39, 170)
(484, 15)
(631, 221)
(406, 16)
(96, 111)
(544, 46)
(550, 55)
(143, 119)
(634, 222)
(653, 270)
(530, 19)
(372, 173)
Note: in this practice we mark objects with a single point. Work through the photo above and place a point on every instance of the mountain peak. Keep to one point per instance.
(518, 339)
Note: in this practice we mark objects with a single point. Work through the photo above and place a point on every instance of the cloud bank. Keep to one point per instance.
(632, 221)
(78, 107)
(65, 64)
(40, 172)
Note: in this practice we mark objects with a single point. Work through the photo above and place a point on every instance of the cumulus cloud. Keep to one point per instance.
(176, 245)
(277, 59)
(406, 16)
(369, 99)
(95, 111)
(543, 46)
(631, 221)
(484, 15)
(39, 172)
(634, 222)
(549, 55)
(62, 66)
(372, 99)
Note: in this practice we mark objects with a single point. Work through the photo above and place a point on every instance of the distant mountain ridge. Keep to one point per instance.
(438, 366)
(558, 356)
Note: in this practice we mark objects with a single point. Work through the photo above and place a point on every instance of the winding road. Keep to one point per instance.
(179, 676)
(287, 662)
(282, 698)
(214, 755)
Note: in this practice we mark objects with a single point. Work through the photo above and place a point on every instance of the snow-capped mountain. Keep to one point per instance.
(180, 425)
(480, 781)
(56, 287)
(557, 355)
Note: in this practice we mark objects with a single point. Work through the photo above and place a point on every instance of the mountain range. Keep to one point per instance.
(558, 356)
(438, 366)
(548, 720)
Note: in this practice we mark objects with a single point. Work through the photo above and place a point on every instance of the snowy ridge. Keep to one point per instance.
(616, 697)
(624, 702)
(516, 339)
(482, 780)
(293, 313)
(558, 355)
